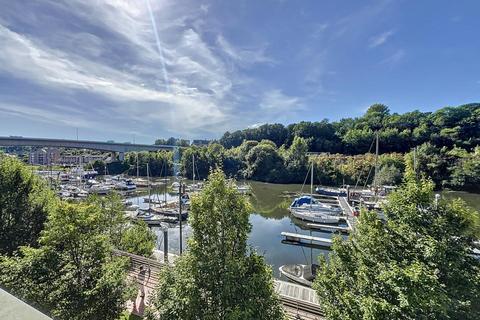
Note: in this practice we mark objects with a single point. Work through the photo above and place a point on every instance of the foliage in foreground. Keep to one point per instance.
(72, 275)
(25, 202)
(61, 261)
(218, 277)
(417, 265)
(130, 236)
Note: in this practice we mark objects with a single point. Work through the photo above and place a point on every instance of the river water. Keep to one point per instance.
(270, 218)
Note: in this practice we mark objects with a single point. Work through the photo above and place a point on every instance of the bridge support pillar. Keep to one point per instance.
(121, 156)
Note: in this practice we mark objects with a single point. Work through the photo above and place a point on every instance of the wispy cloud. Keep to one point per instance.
(395, 58)
(380, 39)
(276, 101)
(41, 114)
(244, 56)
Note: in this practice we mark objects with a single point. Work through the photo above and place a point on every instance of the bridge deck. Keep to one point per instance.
(80, 144)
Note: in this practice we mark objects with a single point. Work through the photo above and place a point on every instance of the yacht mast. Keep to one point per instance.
(311, 187)
(149, 192)
(376, 165)
(136, 153)
(138, 200)
(193, 169)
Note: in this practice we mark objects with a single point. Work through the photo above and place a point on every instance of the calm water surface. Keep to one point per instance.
(270, 218)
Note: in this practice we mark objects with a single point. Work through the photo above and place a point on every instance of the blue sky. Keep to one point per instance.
(212, 66)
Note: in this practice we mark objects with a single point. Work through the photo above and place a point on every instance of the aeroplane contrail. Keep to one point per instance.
(159, 46)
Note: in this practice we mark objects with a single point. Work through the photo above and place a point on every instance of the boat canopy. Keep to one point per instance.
(302, 200)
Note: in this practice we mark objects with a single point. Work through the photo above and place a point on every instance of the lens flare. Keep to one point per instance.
(159, 46)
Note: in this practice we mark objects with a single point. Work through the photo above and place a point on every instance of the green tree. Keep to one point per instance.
(358, 140)
(264, 163)
(416, 265)
(388, 175)
(296, 160)
(25, 201)
(218, 277)
(376, 116)
(431, 161)
(138, 239)
(466, 172)
(72, 274)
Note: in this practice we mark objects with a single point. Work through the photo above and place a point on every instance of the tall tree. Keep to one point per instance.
(218, 277)
(416, 265)
(25, 201)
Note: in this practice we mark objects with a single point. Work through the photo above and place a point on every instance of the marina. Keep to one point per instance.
(276, 233)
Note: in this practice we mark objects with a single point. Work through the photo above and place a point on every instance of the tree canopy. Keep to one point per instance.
(447, 126)
(246, 153)
(72, 275)
(25, 202)
(65, 265)
(416, 265)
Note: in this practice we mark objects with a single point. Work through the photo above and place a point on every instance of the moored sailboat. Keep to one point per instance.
(308, 209)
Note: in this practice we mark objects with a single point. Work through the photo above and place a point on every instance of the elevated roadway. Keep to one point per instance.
(120, 148)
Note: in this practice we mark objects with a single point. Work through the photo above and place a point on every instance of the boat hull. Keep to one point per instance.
(295, 278)
(315, 217)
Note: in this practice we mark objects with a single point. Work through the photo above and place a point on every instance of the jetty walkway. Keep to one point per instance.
(299, 302)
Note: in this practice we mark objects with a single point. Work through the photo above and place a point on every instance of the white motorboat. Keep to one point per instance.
(126, 185)
(141, 183)
(100, 189)
(300, 273)
(244, 189)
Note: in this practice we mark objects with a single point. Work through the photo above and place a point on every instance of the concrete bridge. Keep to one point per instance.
(120, 148)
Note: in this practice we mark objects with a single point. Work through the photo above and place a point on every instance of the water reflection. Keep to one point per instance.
(271, 217)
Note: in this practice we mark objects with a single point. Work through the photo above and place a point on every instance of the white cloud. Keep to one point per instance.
(204, 8)
(276, 101)
(256, 125)
(380, 39)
